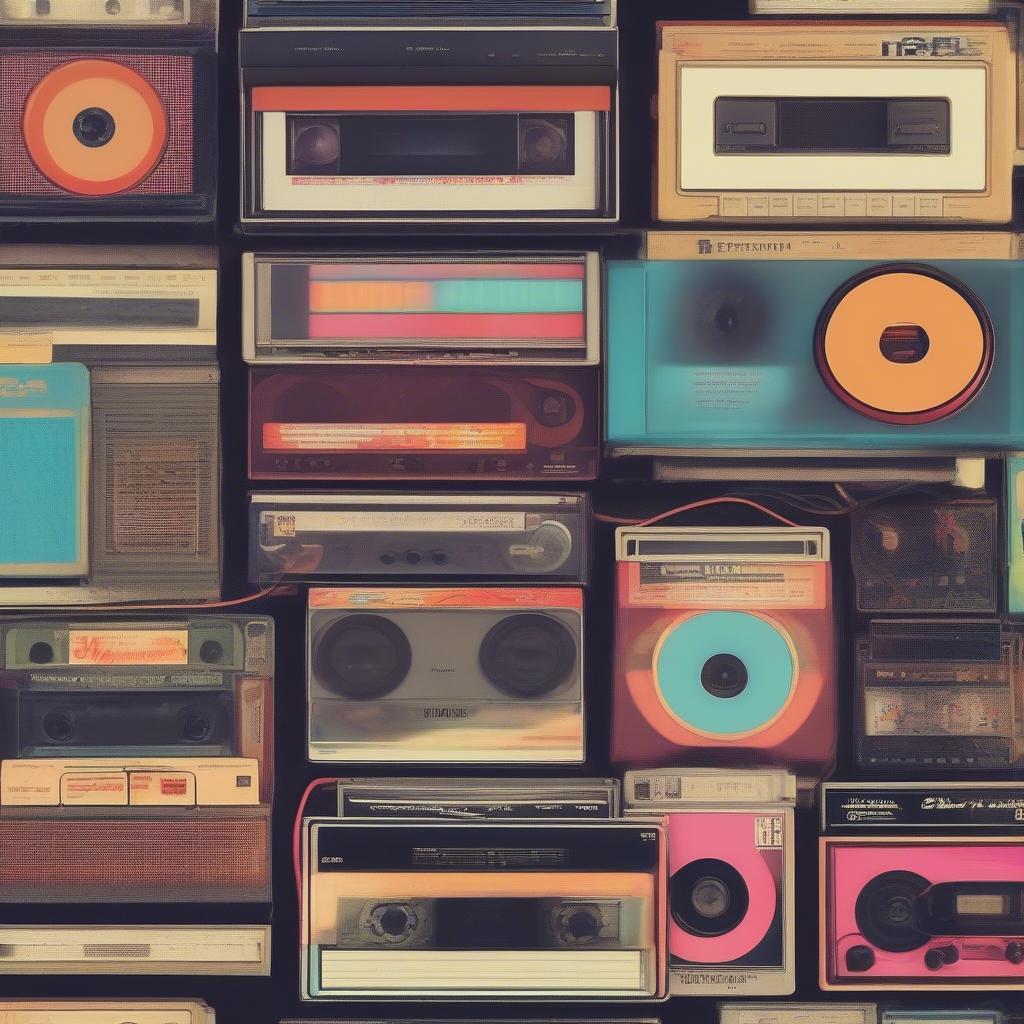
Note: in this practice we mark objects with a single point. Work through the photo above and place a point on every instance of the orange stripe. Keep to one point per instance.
(526, 98)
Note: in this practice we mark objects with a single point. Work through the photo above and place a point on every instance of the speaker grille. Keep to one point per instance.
(125, 860)
(156, 486)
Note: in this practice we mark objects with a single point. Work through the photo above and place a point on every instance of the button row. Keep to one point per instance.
(832, 204)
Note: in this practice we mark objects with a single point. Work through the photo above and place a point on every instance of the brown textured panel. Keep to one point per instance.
(170, 859)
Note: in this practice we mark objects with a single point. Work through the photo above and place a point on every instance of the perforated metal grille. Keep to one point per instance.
(156, 479)
(937, 558)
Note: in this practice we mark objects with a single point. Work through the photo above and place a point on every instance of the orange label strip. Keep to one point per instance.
(461, 98)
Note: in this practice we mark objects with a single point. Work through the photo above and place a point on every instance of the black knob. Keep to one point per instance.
(939, 956)
(1015, 952)
(42, 7)
(860, 958)
(59, 725)
(210, 651)
(40, 653)
(438, 557)
(113, 6)
(387, 557)
(413, 557)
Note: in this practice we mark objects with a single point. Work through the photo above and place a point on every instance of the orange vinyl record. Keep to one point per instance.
(904, 344)
(94, 127)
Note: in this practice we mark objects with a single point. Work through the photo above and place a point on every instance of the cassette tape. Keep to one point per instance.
(108, 111)
(109, 426)
(920, 886)
(442, 675)
(730, 877)
(478, 799)
(805, 1013)
(138, 691)
(426, 12)
(865, 122)
(458, 910)
(442, 366)
(151, 741)
(136, 14)
(939, 698)
(1014, 483)
(135, 949)
(444, 123)
(791, 343)
(106, 1011)
(926, 557)
(724, 648)
(320, 537)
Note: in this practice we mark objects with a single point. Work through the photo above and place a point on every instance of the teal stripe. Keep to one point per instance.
(508, 296)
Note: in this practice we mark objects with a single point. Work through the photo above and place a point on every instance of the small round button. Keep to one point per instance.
(210, 651)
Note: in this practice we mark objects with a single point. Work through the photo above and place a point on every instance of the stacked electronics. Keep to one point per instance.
(608, 562)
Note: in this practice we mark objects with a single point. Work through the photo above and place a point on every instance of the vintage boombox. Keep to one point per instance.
(437, 367)
(851, 1013)
(105, 1011)
(1014, 485)
(321, 537)
(810, 343)
(431, 114)
(478, 798)
(433, 674)
(135, 949)
(151, 742)
(526, 910)
(939, 698)
(937, 556)
(921, 886)
(724, 648)
(108, 110)
(730, 877)
(861, 121)
(109, 426)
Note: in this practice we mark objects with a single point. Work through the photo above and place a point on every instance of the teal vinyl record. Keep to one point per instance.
(725, 673)
(44, 449)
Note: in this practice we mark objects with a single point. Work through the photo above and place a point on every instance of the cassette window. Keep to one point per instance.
(537, 916)
(828, 126)
(461, 126)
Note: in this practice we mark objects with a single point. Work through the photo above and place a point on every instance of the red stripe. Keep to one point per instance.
(441, 271)
(501, 326)
(452, 98)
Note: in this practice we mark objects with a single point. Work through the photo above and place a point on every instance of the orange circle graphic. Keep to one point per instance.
(940, 369)
(126, 104)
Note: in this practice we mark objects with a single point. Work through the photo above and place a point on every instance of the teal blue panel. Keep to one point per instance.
(43, 448)
(508, 296)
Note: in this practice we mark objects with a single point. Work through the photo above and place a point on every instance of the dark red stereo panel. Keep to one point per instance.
(417, 422)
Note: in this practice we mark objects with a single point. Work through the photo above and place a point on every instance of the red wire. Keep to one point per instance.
(297, 829)
(703, 503)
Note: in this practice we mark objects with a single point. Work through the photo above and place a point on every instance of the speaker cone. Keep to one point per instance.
(886, 911)
(708, 897)
(528, 655)
(362, 656)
